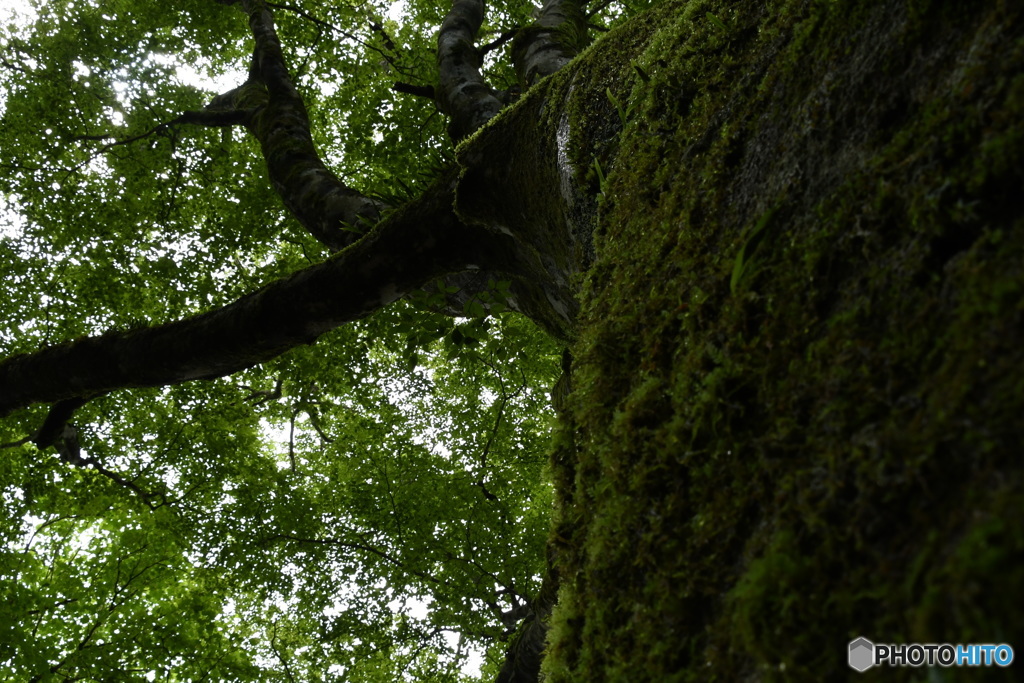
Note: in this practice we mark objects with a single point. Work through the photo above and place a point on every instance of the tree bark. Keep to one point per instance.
(556, 36)
(462, 93)
(420, 242)
(797, 380)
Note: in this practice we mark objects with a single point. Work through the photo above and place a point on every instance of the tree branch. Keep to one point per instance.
(411, 89)
(597, 8)
(213, 116)
(262, 396)
(374, 25)
(497, 42)
(70, 452)
(551, 42)
(462, 92)
(420, 242)
(280, 657)
(364, 547)
(499, 415)
(54, 426)
(328, 209)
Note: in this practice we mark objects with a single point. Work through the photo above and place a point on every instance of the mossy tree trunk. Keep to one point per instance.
(799, 376)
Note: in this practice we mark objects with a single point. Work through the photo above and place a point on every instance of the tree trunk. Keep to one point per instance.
(797, 382)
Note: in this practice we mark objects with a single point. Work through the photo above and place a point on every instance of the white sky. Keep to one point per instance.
(397, 10)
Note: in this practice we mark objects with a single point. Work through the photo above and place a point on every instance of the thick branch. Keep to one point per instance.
(269, 58)
(54, 425)
(462, 92)
(422, 241)
(554, 38)
(328, 209)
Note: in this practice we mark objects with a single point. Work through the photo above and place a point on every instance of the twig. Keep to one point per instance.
(600, 6)
(497, 42)
(410, 89)
(375, 26)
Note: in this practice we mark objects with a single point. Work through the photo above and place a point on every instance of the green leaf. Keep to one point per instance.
(746, 252)
(718, 23)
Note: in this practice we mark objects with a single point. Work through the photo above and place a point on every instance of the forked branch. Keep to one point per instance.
(276, 115)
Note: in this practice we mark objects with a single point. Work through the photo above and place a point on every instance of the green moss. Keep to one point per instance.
(827, 447)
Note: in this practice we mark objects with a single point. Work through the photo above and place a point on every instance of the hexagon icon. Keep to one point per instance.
(862, 654)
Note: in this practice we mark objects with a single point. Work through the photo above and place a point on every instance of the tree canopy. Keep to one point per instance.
(370, 507)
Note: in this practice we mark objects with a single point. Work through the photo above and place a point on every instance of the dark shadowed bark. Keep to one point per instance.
(551, 42)
(423, 240)
(462, 92)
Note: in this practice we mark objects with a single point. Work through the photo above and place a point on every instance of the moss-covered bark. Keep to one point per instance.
(799, 377)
